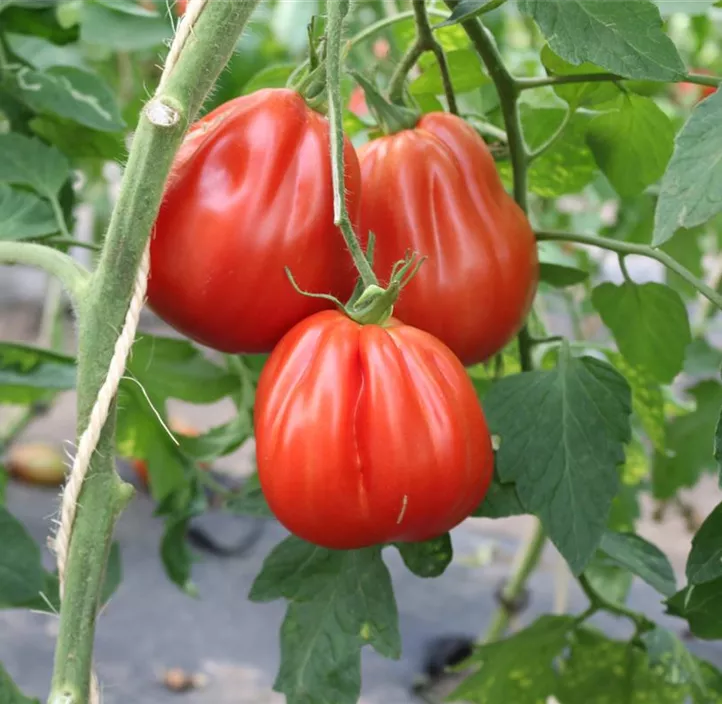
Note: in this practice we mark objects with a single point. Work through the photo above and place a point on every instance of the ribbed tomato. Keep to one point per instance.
(249, 194)
(368, 434)
(434, 189)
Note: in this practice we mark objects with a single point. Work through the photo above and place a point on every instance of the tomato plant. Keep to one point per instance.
(407, 454)
(430, 264)
(249, 195)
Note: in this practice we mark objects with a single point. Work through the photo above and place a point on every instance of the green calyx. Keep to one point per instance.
(391, 118)
(311, 81)
(373, 304)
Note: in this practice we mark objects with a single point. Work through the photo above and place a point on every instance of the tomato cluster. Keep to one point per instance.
(366, 432)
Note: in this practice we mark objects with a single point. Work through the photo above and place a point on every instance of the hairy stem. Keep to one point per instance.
(336, 12)
(73, 276)
(102, 314)
(640, 249)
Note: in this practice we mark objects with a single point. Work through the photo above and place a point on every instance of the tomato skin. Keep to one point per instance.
(435, 190)
(250, 192)
(368, 434)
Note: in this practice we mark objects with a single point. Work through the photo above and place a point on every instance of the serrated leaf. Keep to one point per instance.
(21, 569)
(275, 76)
(690, 439)
(42, 54)
(568, 166)
(70, 93)
(28, 374)
(603, 671)
(79, 141)
(585, 94)
(520, 668)
(668, 655)
(633, 144)
(691, 190)
(562, 436)
(625, 38)
(647, 399)
(701, 605)
(466, 74)
(642, 559)
(466, 9)
(649, 322)
(704, 563)
(9, 692)
(501, 500)
(341, 600)
(122, 31)
(560, 275)
(175, 553)
(427, 559)
(29, 162)
(23, 215)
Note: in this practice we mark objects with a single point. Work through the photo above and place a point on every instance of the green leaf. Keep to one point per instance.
(466, 74)
(704, 563)
(608, 579)
(519, 669)
(625, 38)
(3, 483)
(42, 54)
(251, 501)
(221, 440)
(568, 166)
(28, 373)
(176, 554)
(275, 76)
(689, 443)
(701, 605)
(427, 559)
(341, 600)
(9, 693)
(641, 558)
(21, 569)
(466, 9)
(29, 162)
(560, 275)
(669, 656)
(23, 215)
(649, 322)
(79, 141)
(121, 30)
(691, 190)
(173, 368)
(562, 436)
(647, 399)
(632, 144)
(578, 94)
(603, 671)
(501, 500)
(71, 93)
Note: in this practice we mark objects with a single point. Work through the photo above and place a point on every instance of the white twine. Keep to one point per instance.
(89, 439)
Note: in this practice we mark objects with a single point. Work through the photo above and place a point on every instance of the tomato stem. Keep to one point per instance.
(334, 32)
(424, 41)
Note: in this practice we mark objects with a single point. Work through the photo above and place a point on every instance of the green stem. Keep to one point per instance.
(527, 561)
(486, 128)
(334, 31)
(74, 277)
(640, 249)
(102, 314)
(542, 81)
(424, 42)
(599, 603)
(60, 217)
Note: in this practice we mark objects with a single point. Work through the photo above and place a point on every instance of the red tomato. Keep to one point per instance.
(368, 434)
(435, 190)
(250, 193)
(684, 90)
(357, 102)
(37, 463)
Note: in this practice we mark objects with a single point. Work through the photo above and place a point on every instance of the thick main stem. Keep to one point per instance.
(102, 313)
(336, 12)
